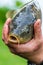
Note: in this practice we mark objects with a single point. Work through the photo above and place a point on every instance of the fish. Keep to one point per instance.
(10, 13)
(22, 24)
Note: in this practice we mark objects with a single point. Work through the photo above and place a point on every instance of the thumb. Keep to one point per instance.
(37, 29)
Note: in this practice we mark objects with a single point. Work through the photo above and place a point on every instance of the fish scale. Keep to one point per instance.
(23, 23)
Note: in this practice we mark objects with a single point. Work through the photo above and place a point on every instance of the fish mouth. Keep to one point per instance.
(13, 39)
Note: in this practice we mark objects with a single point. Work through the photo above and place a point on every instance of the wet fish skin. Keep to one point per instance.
(22, 25)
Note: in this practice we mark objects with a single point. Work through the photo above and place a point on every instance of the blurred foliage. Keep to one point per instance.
(19, 4)
(3, 11)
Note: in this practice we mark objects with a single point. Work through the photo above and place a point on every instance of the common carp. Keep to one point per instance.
(22, 25)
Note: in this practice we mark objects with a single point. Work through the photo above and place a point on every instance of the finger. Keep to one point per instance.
(21, 48)
(37, 29)
(8, 21)
(5, 31)
(18, 48)
(24, 48)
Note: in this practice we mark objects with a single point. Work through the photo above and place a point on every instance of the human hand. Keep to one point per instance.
(5, 30)
(32, 50)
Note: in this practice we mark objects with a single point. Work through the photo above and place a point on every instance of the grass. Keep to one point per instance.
(7, 58)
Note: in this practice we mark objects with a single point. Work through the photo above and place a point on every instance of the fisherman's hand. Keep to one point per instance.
(32, 50)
